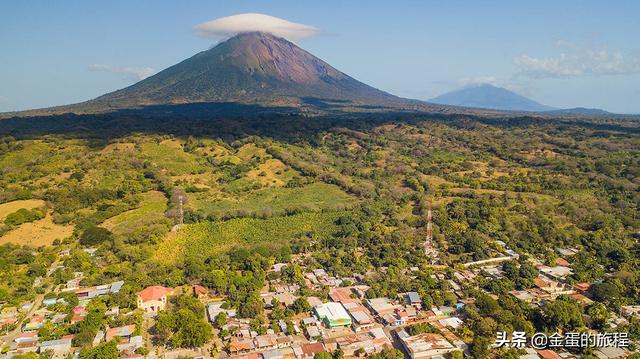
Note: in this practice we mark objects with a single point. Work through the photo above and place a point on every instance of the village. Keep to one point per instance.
(345, 323)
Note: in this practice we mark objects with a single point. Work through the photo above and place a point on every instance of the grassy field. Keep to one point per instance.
(316, 196)
(152, 208)
(209, 238)
(39, 233)
(10, 207)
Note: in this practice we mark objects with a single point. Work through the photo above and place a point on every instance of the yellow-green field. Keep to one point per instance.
(10, 207)
(38, 233)
(151, 208)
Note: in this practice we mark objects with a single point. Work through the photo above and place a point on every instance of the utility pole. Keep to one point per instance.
(429, 249)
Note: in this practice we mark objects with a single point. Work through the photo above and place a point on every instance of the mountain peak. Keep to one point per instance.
(251, 67)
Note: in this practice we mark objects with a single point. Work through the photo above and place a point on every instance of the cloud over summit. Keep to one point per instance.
(225, 27)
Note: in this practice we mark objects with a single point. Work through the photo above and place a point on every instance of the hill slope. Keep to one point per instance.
(491, 97)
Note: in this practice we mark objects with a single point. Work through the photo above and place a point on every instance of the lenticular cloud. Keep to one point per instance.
(231, 25)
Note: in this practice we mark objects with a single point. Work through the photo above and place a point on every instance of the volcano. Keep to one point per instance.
(251, 67)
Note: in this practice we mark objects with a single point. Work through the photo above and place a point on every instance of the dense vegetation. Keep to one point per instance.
(350, 192)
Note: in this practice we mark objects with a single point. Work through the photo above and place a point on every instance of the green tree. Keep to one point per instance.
(95, 235)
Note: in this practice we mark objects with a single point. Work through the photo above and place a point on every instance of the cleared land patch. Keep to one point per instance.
(10, 207)
(39, 233)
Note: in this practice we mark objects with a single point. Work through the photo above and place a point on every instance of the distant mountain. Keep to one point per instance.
(490, 97)
(582, 111)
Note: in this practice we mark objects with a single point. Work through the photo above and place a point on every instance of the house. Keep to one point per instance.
(59, 346)
(582, 286)
(551, 286)
(308, 351)
(392, 319)
(453, 322)
(381, 306)
(361, 319)
(131, 344)
(27, 337)
(413, 299)
(272, 354)
(562, 262)
(153, 299)
(240, 345)
(92, 292)
(333, 315)
(200, 292)
(557, 272)
(313, 332)
(425, 345)
(267, 341)
(549, 354)
(523, 295)
(124, 332)
(371, 342)
(215, 308)
(9, 312)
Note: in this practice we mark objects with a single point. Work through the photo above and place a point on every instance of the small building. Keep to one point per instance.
(215, 308)
(153, 299)
(59, 346)
(582, 286)
(313, 332)
(200, 292)
(272, 354)
(124, 332)
(392, 319)
(333, 314)
(425, 345)
(413, 299)
(371, 342)
(267, 341)
(240, 345)
(308, 351)
(381, 306)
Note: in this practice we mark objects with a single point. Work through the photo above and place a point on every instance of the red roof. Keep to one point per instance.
(562, 262)
(549, 354)
(198, 289)
(312, 349)
(154, 293)
(582, 286)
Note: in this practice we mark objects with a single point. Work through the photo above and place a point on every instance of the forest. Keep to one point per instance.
(349, 193)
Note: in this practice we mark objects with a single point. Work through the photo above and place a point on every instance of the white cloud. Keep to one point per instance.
(564, 43)
(479, 80)
(130, 73)
(225, 27)
(577, 63)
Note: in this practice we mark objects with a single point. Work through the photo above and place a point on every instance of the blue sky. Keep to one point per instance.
(560, 53)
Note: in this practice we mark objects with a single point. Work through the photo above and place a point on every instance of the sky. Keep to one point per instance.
(561, 53)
